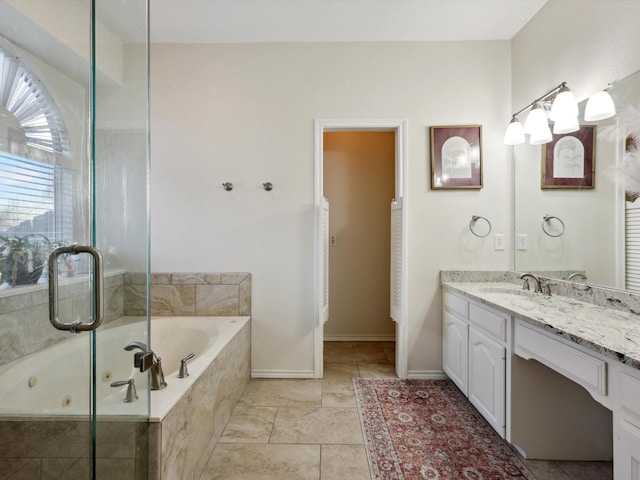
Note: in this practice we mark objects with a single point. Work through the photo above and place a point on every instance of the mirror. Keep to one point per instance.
(578, 232)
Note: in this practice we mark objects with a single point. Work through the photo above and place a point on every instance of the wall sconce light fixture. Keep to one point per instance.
(560, 106)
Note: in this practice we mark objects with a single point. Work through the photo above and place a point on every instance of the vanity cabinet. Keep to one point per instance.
(487, 378)
(545, 385)
(627, 425)
(455, 350)
(474, 355)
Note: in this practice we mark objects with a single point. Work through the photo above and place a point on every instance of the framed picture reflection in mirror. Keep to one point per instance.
(569, 160)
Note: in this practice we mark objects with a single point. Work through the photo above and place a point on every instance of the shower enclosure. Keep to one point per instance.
(73, 170)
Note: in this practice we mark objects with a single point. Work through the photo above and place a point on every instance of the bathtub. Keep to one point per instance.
(51, 388)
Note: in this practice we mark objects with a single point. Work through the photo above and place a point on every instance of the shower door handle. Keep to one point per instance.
(98, 297)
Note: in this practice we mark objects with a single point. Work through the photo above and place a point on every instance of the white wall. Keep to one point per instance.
(244, 114)
(588, 44)
(585, 43)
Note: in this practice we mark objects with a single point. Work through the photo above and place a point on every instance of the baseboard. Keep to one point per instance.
(359, 338)
(282, 374)
(427, 374)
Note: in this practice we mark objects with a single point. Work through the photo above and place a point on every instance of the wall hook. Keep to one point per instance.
(268, 186)
(228, 186)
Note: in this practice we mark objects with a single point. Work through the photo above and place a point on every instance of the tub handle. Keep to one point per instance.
(131, 395)
(184, 373)
(98, 297)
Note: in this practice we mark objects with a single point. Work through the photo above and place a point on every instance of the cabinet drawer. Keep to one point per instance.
(456, 305)
(490, 322)
(629, 396)
(582, 368)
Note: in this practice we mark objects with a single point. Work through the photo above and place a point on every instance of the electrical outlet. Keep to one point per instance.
(332, 241)
(498, 241)
(522, 241)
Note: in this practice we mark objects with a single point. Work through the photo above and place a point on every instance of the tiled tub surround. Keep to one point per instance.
(187, 417)
(604, 320)
(178, 445)
(24, 311)
(196, 294)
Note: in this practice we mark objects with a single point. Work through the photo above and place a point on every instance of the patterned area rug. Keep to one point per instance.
(427, 429)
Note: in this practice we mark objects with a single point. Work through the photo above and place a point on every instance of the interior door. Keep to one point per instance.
(396, 260)
(324, 262)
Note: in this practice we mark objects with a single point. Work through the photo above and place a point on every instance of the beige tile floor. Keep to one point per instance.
(309, 429)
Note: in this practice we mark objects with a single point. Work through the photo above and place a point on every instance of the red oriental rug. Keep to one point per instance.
(428, 430)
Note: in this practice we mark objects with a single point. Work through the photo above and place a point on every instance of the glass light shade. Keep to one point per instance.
(564, 105)
(599, 106)
(541, 135)
(514, 135)
(566, 125)
(536, 119)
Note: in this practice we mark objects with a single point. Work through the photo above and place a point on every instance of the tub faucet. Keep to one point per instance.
(528, 276)
(146, 359)
(131, 395)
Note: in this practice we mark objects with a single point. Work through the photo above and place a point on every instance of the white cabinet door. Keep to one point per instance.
(487, 378)
(626, 457)
(455, 343)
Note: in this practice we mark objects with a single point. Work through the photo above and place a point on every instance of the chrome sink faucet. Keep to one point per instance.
(536, 281)
(146, 359)
(577, 276)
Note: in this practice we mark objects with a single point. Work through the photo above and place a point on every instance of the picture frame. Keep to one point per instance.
(456, 157)
(569, 160)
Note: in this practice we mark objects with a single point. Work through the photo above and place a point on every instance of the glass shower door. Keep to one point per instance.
(121, 232)
(73, 170)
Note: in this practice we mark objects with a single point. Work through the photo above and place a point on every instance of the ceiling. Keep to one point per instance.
(250, 21)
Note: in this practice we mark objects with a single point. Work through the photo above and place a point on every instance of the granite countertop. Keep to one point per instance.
(610, 332)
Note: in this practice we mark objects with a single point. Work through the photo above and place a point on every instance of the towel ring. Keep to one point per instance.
(548, 218)
(472, 223)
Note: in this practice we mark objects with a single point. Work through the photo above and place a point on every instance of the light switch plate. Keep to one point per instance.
(498, 241)
(522, 241)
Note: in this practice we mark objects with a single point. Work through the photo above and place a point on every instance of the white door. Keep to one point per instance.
(396, 260)
(324, 263)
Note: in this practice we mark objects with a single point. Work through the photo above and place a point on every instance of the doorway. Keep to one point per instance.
(359, 184)
(351, 170)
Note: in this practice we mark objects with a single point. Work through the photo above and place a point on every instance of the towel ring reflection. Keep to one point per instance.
(548, 218)
(472, 225)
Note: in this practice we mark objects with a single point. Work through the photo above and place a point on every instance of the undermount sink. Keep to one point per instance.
(508, 291)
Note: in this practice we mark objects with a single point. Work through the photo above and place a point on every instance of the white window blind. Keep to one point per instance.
(29, 102)
(35, 193)
(35, 198)
(632, 248)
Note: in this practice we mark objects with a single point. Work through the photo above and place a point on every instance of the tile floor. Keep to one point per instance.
(309, 429)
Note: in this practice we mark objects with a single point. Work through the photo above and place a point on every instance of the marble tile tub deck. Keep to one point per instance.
(310, 429)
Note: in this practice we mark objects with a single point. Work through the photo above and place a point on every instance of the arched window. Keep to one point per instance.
(35, 191)
(24, 97)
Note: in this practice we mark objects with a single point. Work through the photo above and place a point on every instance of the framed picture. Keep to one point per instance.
(569, 160)
(456, 157)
